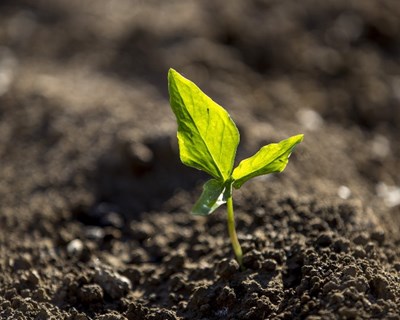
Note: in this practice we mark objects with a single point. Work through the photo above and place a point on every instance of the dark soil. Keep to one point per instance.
(94, 204)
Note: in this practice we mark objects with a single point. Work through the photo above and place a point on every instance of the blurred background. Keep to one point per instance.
(84, 115)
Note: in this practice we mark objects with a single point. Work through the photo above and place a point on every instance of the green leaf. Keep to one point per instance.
(211, 198)
(271, 158)
(207, 136)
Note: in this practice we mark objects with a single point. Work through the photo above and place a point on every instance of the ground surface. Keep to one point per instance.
(94, 204)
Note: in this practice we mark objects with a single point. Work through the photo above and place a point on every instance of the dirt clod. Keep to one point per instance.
(112, 283)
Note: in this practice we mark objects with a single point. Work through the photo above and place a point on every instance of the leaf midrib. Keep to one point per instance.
(257, 170)
(198, 131)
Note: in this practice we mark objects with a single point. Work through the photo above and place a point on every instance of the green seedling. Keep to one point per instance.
(208, 139)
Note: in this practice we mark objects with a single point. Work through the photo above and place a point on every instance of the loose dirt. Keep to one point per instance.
(94, 204)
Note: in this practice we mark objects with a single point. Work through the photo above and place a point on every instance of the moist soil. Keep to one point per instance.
(94, 203)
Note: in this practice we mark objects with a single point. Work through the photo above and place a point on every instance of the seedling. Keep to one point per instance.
(208, 139)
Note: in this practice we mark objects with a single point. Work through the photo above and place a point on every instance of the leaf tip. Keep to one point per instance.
(171, 74)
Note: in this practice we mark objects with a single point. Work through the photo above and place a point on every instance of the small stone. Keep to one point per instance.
(75, 248)
(259, 212)
(310, 119)
(344, 192)
(141, 155)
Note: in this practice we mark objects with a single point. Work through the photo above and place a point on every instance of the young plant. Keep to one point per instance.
(208, 139)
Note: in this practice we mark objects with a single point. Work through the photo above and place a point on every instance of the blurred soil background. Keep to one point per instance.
(94, 203)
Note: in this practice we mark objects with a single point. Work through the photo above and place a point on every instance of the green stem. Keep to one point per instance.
(232, 232)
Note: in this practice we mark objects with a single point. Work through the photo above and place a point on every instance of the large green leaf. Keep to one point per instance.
(271, 158)
(211, 198)
(207, 136)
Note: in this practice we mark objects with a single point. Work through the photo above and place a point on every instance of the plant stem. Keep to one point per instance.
(232, 231)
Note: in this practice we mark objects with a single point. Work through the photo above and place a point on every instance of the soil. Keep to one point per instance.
(94, 204)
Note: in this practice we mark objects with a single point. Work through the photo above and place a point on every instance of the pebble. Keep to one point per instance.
(310, 119)
(389, 194)
(75, 248)
(344, 192)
